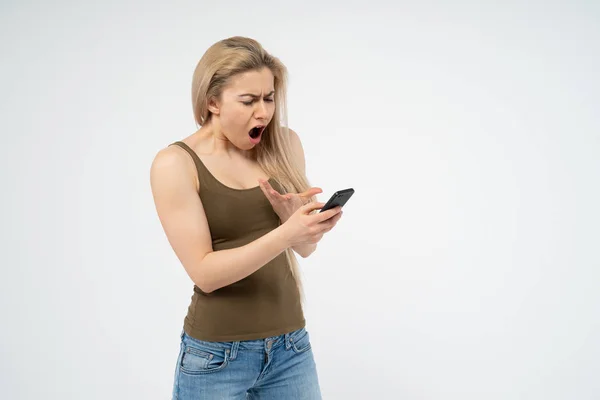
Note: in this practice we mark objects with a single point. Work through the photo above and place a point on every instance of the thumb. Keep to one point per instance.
(313, 205)
(311, 192)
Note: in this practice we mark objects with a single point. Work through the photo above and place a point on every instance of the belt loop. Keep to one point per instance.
(287, 341)
(234, 350)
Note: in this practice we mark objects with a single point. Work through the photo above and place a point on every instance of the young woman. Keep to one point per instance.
(235, 204)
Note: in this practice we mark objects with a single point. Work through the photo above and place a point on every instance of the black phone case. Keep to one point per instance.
(339, 198)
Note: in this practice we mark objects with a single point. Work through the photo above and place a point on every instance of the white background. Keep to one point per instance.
(465, 266)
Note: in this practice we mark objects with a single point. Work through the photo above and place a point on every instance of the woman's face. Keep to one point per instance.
(247, 103)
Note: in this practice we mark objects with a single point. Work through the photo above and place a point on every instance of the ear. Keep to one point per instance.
(213, 105)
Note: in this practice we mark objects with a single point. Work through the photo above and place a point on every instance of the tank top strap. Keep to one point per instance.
(204, 176)
(192, 153)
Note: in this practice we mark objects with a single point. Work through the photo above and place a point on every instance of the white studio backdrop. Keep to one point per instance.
(465, 266)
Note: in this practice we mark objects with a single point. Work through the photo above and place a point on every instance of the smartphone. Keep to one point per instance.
(339, 198)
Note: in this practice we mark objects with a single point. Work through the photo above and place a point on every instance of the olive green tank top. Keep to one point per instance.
(264, 304)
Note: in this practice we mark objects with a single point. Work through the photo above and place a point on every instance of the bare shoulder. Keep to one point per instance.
(172, 183)
(172, 162)
(166, 159)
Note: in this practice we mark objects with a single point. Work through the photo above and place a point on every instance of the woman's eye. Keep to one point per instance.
(249, 103)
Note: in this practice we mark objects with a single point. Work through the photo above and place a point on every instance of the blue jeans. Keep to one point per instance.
(276, 368)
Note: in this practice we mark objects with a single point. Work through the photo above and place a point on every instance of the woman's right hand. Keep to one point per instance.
(305, 228)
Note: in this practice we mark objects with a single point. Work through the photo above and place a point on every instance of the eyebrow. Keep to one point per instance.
(254, 95)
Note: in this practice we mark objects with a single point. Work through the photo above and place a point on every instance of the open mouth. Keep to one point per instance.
(256, 131)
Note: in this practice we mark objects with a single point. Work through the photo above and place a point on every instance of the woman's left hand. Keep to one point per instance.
(287, 204)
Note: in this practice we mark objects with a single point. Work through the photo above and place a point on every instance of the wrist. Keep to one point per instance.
(283, 236)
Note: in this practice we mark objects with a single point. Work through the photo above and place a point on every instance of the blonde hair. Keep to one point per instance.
(219, 64)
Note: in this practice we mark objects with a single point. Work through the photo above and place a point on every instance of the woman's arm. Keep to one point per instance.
(183, 219)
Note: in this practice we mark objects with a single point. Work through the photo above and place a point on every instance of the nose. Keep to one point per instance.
(261, 111)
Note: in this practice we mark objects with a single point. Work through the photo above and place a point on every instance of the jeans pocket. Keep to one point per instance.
(300, 341)
(200, 358)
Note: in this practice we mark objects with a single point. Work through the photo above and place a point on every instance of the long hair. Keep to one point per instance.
(222, 61)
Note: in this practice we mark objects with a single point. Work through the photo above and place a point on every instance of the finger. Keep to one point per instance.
(268, 194)
(325, 215)
(311, 192)
(313, 205)
(268, 186)
(331, 222)
(335, 220)
(271, 193)
(274, 193)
